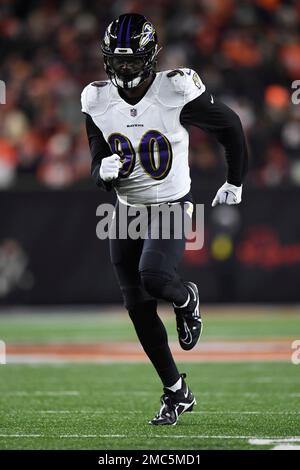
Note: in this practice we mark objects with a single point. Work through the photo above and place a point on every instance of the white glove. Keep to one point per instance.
(228, 194)
(110, 166)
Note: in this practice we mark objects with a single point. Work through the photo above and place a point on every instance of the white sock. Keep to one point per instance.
(185, 303)
(176, 386)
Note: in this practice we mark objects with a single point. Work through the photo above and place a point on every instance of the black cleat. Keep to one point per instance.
(188, 319)
(174, 404)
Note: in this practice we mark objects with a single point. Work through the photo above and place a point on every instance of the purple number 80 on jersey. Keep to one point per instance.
(155, 153)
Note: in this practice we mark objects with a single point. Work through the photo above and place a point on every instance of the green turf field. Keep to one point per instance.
(107, 406)
(82, 326)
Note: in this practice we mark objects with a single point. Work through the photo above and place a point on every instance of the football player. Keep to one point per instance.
(136, 125)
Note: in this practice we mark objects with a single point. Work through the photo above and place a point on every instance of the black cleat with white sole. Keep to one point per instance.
(188, 319)
(174, 404)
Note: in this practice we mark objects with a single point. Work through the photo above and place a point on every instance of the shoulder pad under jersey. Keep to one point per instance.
(172, 73)
(186, 83)
(95, 98)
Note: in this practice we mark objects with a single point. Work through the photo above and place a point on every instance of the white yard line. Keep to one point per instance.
(248, 412)
(272, 440)
(285, 443)
(51, 393)
(139, 412)
(286, 447)
(200, 393)
(252, 439)
(22, 435)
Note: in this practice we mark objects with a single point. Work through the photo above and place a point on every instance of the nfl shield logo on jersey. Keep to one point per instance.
(133, 112)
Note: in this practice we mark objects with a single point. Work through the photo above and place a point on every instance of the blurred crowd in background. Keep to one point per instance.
(247, 52)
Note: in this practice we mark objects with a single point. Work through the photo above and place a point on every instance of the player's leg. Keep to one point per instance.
(142, 307)
(158, 271)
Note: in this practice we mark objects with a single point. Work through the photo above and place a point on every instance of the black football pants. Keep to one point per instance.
(146, 270)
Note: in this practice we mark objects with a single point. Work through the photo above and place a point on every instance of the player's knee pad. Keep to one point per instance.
(155, 283)
(155, 272)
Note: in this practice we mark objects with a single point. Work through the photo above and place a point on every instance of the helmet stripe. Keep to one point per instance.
(128, 33)
(120, 32)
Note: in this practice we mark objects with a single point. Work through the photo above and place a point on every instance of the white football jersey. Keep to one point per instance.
(148, 136)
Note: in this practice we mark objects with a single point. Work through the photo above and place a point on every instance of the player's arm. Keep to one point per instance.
(213, 116)
(105, 166)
